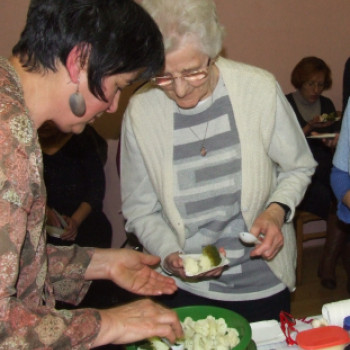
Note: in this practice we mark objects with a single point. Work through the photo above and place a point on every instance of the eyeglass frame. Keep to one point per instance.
(184, 76)
(319, 85)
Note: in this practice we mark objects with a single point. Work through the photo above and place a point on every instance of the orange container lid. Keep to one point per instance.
(322, 337)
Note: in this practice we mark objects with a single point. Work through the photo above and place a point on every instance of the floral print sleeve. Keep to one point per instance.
(32, 274)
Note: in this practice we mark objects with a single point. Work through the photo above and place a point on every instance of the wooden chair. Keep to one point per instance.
(301, 218)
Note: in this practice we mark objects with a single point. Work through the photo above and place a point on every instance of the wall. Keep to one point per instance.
(272, 34)
(276, 34)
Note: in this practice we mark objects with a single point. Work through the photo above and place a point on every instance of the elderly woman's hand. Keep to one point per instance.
(269, 224)
(137, 321)
(173, 263)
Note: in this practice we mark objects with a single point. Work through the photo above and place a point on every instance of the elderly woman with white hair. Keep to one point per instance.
(211, 148)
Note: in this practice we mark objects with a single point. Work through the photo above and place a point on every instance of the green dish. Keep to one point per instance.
(233, 320)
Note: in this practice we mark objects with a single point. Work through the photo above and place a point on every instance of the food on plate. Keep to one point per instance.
(329, 117)
(209, 258)
(205, 334)
(213, 254)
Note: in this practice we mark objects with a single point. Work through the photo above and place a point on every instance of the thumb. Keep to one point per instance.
(149, 259)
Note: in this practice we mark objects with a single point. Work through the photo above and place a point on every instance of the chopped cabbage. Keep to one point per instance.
(191, 265)
(209, 334)
(206, 334)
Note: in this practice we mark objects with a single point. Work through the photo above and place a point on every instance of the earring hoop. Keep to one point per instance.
(77, 102)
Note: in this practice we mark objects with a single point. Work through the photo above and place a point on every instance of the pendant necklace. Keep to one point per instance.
(203, 150)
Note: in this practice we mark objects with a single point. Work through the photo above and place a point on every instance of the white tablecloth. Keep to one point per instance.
(280, 345)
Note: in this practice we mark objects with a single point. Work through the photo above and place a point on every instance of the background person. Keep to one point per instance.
(340, 181)
(346, 84)
(311, 76)
(212, 149)
(69, 66)
(78, 197)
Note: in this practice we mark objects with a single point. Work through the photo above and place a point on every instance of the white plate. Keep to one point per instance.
(54, 231)
(322, 136)
(267, 332)
(224, 262)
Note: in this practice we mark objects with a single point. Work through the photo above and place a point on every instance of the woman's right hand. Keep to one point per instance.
(317, 123)
(137, 321)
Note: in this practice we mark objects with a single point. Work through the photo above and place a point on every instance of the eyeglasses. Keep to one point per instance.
(313, 84)
(288, 323)
(191, 78)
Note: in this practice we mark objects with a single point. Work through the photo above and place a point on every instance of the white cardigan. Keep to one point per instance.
(276, 162)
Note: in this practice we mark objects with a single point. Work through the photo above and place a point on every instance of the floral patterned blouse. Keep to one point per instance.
(33, 274)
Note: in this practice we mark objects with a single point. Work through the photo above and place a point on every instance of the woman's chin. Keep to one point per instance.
(186, 104)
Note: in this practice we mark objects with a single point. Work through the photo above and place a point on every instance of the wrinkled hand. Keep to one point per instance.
(71, 231)
(269, 224)
(137, 321)
(173, 263)
(130, 270)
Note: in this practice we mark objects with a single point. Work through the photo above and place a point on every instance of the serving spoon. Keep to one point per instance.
(249, 238)
(173, 346)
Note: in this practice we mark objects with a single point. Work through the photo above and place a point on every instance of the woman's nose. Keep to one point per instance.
(180, 87)
(115, 102)
(318, 88)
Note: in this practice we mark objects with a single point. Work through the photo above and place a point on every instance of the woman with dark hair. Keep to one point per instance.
(311, 76)
(72, 61)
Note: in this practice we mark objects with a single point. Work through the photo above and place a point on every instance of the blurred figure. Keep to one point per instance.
(311, 76)
(211, 148)
(75, 184)
(346, 84)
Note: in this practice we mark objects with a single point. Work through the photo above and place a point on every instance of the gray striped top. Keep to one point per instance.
(208, 195)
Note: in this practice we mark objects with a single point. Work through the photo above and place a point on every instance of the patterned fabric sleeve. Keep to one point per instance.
(66, 269)
(29, 278)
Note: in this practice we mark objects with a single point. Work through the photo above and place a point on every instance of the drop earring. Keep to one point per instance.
(77, 102)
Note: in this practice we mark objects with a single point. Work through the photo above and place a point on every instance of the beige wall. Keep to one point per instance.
(272, 34)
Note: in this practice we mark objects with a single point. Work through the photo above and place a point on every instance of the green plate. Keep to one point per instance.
(233, 320)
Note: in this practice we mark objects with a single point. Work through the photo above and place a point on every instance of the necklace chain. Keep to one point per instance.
(203, 150)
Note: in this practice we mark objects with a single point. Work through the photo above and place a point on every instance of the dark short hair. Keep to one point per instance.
(307, 68)
(115, 36)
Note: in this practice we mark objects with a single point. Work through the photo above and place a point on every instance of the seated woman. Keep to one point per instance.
(311, 76)
(210, 149)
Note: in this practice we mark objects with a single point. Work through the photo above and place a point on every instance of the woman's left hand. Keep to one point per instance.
(332, 142)
(269, 224)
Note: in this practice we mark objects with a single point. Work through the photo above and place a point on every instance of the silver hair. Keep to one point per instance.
(187, 21)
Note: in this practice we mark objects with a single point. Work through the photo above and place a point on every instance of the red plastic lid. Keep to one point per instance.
(322, 337)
